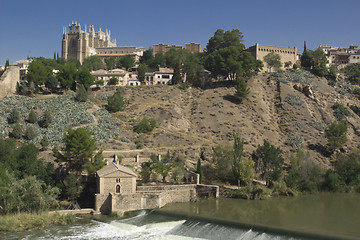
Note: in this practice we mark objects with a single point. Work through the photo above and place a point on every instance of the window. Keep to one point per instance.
(166, 76)
(118, 188)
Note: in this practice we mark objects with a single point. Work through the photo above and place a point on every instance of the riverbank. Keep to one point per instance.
(26, 221)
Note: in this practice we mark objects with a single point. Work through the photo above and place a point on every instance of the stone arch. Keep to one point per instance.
(117, 190)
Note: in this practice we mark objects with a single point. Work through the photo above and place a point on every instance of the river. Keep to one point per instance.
(319, 216)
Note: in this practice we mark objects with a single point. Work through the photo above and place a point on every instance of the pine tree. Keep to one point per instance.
(242, 91)
(32, 117)
(46, 119)
(81, 94)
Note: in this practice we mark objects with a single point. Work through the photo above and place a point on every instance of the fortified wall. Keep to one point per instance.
(9, 81)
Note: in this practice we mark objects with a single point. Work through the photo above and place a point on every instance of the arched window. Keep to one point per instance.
(118, 188)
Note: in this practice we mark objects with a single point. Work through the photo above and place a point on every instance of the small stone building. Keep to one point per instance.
(117, 179)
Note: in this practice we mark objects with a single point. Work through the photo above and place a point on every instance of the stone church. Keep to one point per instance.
(80, 44)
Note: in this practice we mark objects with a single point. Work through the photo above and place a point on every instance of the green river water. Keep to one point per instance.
(319, 216)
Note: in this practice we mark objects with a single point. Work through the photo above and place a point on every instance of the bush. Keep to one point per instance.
(336, 135)
(355, 109)
(294, 100)
(30, 133)
(113, 81)
(44, 142)
(116, 103)
(14, 116)
(46, 120)
(340, 111)
(145, 125)
(32, 117)
(17, 131)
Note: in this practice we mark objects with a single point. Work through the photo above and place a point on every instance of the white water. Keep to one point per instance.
(145, 226)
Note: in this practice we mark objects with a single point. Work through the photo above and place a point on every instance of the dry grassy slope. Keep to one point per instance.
(192, 122)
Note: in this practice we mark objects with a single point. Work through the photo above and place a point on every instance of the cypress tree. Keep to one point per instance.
(32, 117)
(304, 46)
(14, 116)
(242, 91)
(46, 119)
(199, 169)
(81, 94)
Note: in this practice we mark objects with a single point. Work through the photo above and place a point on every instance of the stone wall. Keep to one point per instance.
(9, 81)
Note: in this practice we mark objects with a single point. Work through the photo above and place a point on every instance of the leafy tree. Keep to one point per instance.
(246, 170)
(32, 117)
(38, 72)
(287, 64)
(96, 163)
(110, 63)
(193, 68)
(14, 116)
(238, 149)
(161, 168)
(30, 133)
(113, 81)
(17, 131)
(51, 83)
(67, 75)
(81, 94)
(273, 60)
(331, 74)
(242, 91)
(93, 63)
(225, 56)
(222, 156)
(145, 125)
(352, 73)
(348, 167)
(27, 195)
(44, 142)
(147, 56)
(141, 70)
(73, 187)
(268, 162)
(177, 75)
(46, 119)
(84, 77)
(199, 169)
(116, 103)
(127, 61)
(336, 135)
(79, 149)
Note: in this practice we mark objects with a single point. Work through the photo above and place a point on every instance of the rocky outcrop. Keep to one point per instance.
(9, 81)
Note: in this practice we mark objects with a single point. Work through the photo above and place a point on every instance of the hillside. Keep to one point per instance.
(192, 121)
(291, 110)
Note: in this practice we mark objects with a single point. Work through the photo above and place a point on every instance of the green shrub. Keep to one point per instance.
(32, 117)
(116, 103)
(113, 81)
(17, 131)
(44, 142)
(81, 94)
(355, 109)
(145, 125)
(46, 120)
(14, 116)
(30, 133)
(340, 111)
(294, 100)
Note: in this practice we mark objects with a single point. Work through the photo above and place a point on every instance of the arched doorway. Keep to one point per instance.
(118, 188)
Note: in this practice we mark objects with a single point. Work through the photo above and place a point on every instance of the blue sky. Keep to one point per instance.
(34, 28)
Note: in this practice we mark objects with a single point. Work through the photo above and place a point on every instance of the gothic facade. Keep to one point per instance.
(80, 44)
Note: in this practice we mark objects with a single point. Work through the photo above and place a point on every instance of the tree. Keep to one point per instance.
(84, 77)
(177, 75)
(7, 64)
(67, 75)
(32, 117)
(193, 68)
(38, 72)
(238, 149)
(145, 125)
(73, 187)
(46, 119)
(110, 63)
(116, 103)
(147, 57)
(352, 73)
(30, 133)
(81, 94)
(79, 149)
(268, 162)
(223, 39)
(14, 116)
(17, 131)
(51, 83)
(287, 64)
(242, 91)
(246, 170)
(336, 135)
(113, 81)
(199, 169)
(93, 63)
(273, 60)
(127, 61)
(141, 70)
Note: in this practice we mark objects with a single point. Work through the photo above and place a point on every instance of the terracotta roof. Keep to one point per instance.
(113, 167)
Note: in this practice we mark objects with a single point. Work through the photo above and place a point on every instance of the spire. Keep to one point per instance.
(85, 27)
